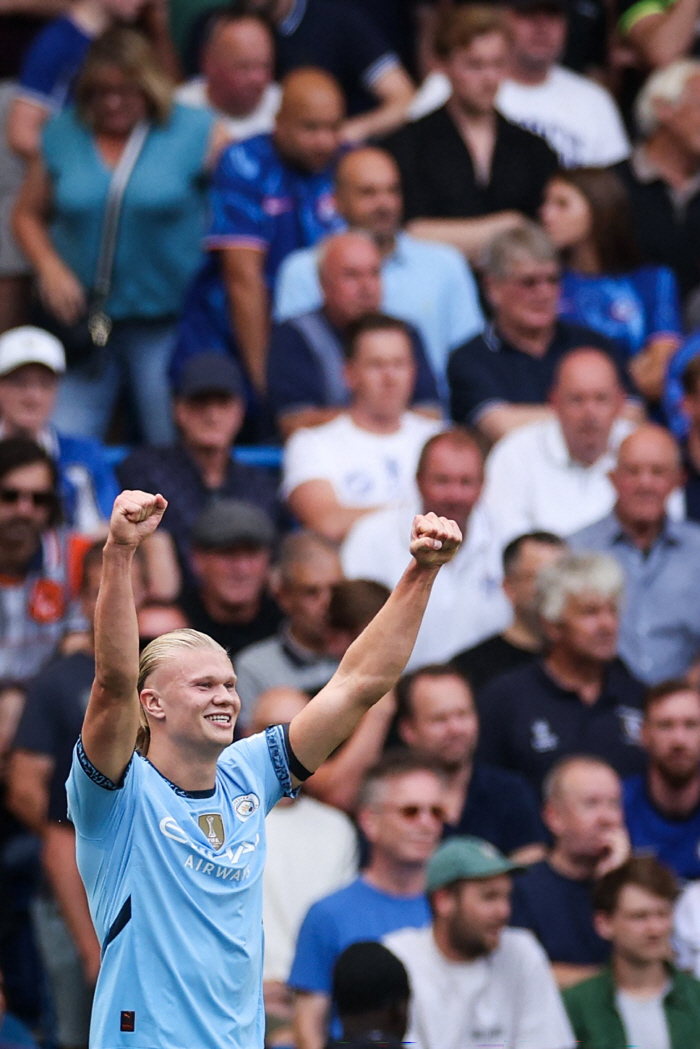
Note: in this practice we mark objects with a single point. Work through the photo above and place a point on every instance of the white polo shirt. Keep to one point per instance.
(364, 468)
(507, 999)
(533, 483)
(467, 603)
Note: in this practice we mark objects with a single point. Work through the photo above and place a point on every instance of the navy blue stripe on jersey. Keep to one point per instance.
(274, 736)
(295, 766)
(94, 774)
(119, 923)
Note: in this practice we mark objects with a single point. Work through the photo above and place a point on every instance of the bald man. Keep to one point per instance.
(425, 283)
(552, 475)
(306, 365)
(660, 557)
(270, 195)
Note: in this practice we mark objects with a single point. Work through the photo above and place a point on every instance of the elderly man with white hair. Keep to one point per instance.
(579, 698)
(663, 173)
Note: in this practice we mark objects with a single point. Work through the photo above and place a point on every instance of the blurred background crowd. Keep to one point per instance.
(306, 268)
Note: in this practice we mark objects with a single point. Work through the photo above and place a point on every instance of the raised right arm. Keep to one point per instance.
(112, 718)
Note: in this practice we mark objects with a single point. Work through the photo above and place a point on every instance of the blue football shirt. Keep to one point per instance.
(174, 883)
(675, 842)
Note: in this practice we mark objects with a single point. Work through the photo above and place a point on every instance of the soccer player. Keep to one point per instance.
(171, 839)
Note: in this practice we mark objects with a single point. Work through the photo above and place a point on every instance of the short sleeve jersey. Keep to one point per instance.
(52, 64)
(174, 883)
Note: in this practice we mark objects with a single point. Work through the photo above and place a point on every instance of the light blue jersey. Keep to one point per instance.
(174, 882)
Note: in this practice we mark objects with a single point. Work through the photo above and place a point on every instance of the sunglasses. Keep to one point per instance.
(41, 500)
(412, 812)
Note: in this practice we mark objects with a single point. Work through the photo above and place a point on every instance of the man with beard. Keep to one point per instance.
(583, 813)
(437, 719)
(662, 806)
(474, 981)
(38, 564)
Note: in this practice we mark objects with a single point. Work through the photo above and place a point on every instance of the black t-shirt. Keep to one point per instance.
(233, 636)
(559, 911)
(489, 659)
(501, 808)
(335, 36)
(667, 235)
(488, 371)
(529, 721)
(692, 488)
(438, 176)
(52, 719)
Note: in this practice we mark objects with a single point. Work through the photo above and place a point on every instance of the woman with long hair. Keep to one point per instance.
(604, 284)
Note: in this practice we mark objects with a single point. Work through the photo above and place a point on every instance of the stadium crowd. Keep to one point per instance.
(308, 268)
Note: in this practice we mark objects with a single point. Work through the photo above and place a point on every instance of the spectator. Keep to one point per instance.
(337, 37)
(306, 378)
(467, 172)
(690, 439)
(311, 852)
(371, 994)
(52, 65)
(13, 1033)
(553, 474)
(586, 213)
(236, 85)
(231, 549)
(575, 115)
(500, 380)
(298, 656)
(641, 999)
(38, 563)
(426, 283)
(364, 459)
(467, 603)
(436, 717)
(401, 814)
(159, 617)
(658, 35)
(686, 929)
(32, 363)
(255, 225)
(43, 750)
(578, 697)
(583, 813)
(660, 175)
(473, 980)
(157, 247)
(522, 640)
(199, 468)
(660, 558)
(662, 806)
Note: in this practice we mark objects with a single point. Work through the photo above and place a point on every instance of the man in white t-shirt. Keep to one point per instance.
(475, 982)
(238, 60)
(468, 604)
(553, 475)
(365, 458)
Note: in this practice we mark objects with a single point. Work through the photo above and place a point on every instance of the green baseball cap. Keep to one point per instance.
(465, 858)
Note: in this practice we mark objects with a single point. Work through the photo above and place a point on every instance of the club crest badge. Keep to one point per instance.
(212, 825)
(246, 805)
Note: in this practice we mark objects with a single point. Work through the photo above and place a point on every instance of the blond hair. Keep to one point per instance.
(155, 655)
(134, 56)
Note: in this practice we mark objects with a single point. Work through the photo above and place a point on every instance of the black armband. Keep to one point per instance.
(295, 766)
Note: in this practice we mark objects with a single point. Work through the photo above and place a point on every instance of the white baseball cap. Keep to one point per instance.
(29, 345)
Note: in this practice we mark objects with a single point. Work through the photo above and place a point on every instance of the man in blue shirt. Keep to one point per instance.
(660, 558)
(400, 812)
(662, 806)
(424, 282)
(270, 195)
(171, 839)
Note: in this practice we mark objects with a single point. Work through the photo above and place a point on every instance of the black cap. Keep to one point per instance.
(210, 372)
(557, 7)
(229, 522)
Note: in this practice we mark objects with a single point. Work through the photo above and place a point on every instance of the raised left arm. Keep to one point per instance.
(375, 661)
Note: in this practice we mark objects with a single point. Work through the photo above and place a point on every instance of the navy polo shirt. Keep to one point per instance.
(529, 722)
(488, 372)
(675, 842)
(500, 807)
(559, 911)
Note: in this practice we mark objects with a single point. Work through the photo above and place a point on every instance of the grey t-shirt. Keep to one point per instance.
(644, 1020)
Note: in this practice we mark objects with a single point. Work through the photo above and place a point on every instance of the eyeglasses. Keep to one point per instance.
(412, 812)
(41, 500)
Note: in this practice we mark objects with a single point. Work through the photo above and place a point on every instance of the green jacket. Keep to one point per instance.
(598, 1025)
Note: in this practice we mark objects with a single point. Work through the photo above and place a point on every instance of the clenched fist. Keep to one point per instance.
(135, 516)
(434, 540)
